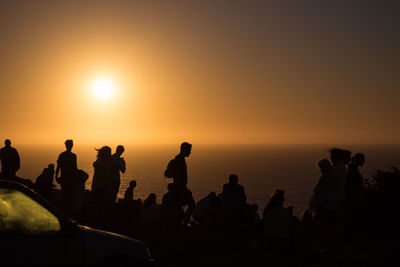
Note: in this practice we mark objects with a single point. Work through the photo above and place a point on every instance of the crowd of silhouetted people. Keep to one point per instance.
(336, 211)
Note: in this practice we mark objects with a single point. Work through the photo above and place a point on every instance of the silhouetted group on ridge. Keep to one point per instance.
(337, 206)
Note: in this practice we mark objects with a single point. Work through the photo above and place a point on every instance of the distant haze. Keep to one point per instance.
(201, 71)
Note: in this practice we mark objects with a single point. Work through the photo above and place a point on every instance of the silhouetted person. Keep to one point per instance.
(355, 215)
(254, 212)
(44, 184)
(171, 206)
(66, 163)
(79, 190)
(337, 178)
(169, 200)
(204, 211)
(291, 213)
(305, 229)
(306, 217)
(151, 213)
(354, 181)
(276, 218)
(129, 192)
(101, 184)
(10, 162)
(67, 166)
(234, 199)
(177, 168)
(322, 197)
(346, 156)
(131, 208)
(117, 166)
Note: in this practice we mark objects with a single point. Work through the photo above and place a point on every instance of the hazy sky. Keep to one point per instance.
(201, 71)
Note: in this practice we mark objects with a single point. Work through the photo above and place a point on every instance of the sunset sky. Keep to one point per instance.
(201, 71)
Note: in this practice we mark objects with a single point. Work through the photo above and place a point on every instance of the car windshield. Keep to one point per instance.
(21, 214)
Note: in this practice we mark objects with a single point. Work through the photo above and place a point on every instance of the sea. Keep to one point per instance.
(260, 168)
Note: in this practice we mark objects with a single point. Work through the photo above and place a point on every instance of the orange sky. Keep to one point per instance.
(202, 72)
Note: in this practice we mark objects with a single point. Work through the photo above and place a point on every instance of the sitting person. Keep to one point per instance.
(151, 214)
(130, 208)
(276, 218)
(234, 200)
(204, 211)
(44, 184)
(79, 190)
(172, 207)
(129, 193)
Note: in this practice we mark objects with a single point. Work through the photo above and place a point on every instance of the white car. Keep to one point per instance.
(34, 232)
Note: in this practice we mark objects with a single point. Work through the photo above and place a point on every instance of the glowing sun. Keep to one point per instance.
(102, 88)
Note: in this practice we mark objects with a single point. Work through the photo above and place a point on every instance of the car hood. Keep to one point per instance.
(102, 245)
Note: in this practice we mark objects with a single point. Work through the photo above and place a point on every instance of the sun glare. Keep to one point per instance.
(102, 88)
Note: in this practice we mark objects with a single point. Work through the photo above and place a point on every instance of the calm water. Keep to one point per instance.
(261, 169)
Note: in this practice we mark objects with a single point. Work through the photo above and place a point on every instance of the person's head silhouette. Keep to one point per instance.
(7, 142)
(346, 156)
(69, 144)
(279, 196)
(186, 149)
(150, 200)
(324, 165)
(132, 184)
(337, 155)
(276, 200)
(104, 153)
(358, 159)
(233, 179)
(120, 150)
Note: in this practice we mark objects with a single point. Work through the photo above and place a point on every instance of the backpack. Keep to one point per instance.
(171, 169)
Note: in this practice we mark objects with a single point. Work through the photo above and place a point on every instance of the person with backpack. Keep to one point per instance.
(177, 170)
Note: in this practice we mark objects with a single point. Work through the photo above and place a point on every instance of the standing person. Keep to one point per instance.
(177, 169)
(102, 177)
(66, 163)
(10, 162)
(117, 165)
(67, 166)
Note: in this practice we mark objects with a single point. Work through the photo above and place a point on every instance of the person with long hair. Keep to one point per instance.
(276, 218)
(151, 212)
(102, 176)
